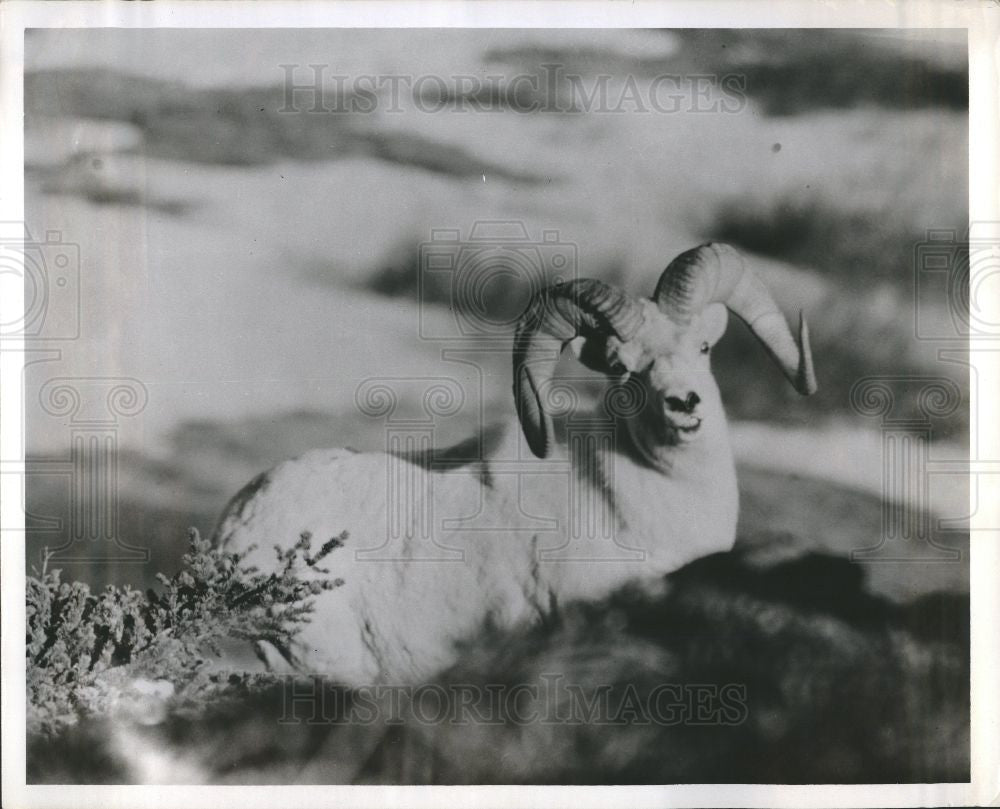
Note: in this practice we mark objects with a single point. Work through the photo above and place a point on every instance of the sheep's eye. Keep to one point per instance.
(705, 348)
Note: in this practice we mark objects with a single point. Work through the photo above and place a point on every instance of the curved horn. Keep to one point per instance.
(555, 316)
(716, 273)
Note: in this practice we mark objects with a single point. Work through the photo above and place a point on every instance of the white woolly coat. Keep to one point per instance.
(438, 550)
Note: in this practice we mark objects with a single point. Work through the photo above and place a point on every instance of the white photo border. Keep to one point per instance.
(982, 21)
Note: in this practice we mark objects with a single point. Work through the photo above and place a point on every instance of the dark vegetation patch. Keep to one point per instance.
(242, 127)
(124, 197)
(862, 253)
(789, 73)
(548, 62)
(153, 527)
(753, 388)
(856, 247)
(487, 286)
(785, 73)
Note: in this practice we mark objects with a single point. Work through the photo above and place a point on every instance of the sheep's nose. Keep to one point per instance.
(685, 405)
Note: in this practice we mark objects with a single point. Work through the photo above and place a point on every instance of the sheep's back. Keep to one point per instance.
(385, 620)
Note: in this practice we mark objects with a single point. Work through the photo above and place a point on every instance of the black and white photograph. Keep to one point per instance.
(497, 405)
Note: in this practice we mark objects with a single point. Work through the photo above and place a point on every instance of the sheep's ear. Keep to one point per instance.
(714, 318)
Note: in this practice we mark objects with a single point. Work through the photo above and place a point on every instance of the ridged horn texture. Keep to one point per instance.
(555, 316)
(716, 273)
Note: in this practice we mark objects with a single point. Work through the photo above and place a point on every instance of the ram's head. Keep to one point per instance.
(658, 347)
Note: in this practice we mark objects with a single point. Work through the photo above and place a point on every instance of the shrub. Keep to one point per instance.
(83, 649)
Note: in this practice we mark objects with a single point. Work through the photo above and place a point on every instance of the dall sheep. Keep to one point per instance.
(661, 468)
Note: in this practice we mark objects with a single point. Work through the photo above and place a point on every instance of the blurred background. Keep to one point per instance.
(247, 258)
